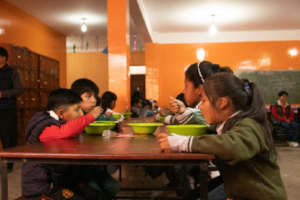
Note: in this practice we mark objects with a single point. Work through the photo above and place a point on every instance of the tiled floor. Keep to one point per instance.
(289, 159)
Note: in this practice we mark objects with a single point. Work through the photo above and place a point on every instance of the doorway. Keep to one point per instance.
(137, 80)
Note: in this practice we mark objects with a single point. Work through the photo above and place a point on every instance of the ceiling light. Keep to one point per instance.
(83, 26)
(213, 28)
(1, 31)
(293, 52)
(200, 54)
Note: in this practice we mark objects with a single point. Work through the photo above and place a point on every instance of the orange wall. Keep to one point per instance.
(118, 51)
(90, 65)
(137, 58)
(22, 29)
(166, 62)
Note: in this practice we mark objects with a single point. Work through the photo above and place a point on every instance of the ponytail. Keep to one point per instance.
(245, 97)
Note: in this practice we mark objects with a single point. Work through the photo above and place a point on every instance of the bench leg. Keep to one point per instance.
(4, 184)
(204, 181)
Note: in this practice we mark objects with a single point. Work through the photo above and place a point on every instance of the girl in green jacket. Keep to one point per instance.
(243, 146)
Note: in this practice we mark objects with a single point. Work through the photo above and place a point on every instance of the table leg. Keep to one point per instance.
(204, 181)
(4, 186)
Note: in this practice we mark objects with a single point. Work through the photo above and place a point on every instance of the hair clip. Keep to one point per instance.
(247, 87)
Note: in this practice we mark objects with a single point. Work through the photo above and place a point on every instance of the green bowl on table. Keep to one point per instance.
(107, 122)
(98, 128)
(144, 128)
(127, 115)
(117, 116)
(188, 129)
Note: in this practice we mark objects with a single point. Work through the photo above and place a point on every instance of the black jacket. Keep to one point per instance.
(10, 87)
(36, 178)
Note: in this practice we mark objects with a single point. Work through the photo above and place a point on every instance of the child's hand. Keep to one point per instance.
(176, 106)
(162, 139)
(96, 111)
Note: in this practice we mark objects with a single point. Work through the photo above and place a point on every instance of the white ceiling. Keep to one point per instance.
(174, 21)
(168, 19)
(65, 15)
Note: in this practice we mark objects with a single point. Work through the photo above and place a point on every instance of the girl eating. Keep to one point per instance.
(243, 145)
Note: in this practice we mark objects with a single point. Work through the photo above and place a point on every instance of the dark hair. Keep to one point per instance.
(282, 92)
(62, 97)
(181, 98)
(83, 85)
(3, 52)
(245, 97)
(147, 103)
(107, 99)
(198, 72)
(98, 103)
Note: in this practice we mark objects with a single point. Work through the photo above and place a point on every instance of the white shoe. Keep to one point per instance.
(293, 144)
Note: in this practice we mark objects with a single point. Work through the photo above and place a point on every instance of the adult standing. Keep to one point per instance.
(10, 89)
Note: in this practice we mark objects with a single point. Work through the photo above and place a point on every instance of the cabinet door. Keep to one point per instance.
(26, 59)
(43, 98)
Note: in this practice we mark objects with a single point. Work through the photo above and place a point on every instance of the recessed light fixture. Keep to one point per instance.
(293, 52)
(200, 54)
(213, 28)
(83, 25)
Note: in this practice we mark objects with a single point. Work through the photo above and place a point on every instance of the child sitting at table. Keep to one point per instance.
(88, 91)
(62, 120)
(108, 103)
(243, 146)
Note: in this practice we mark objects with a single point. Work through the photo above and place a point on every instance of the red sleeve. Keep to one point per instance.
(291, 117)
(275, 114)
(68, 130)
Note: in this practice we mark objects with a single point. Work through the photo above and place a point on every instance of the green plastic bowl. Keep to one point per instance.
(114, 123)
(127, 115)
(187, 130)
(98, 128)
(117, 116)
(144, 128)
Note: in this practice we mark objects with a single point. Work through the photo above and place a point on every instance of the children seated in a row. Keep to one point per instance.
(140, 107)
(64, 119)
(243, 146)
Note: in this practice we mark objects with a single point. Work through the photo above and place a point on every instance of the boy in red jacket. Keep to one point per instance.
(284, 115)
(62, 120)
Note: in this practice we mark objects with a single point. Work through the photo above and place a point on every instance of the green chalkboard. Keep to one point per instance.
(271, 82)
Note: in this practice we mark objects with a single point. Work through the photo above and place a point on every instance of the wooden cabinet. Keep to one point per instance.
(39, 76)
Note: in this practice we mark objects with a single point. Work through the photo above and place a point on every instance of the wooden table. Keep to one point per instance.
(97, 150)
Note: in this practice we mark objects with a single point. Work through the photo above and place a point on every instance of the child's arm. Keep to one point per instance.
(242, 142)
(275, 114)
(68, 130)
(189, 116)
(291, 117)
